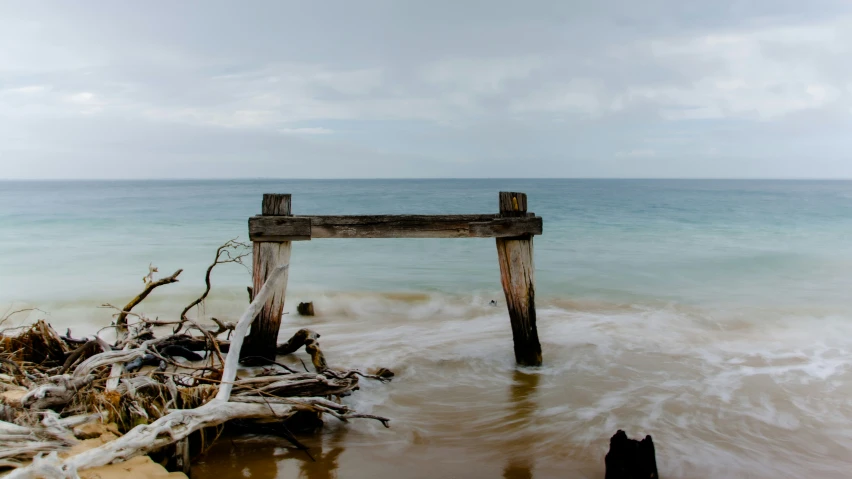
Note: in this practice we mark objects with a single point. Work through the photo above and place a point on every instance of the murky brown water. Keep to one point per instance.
(752, 394)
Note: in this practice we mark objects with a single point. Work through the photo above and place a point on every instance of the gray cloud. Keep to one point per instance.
(398, 89)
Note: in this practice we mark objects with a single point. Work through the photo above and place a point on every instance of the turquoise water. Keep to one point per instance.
(694, 242)
(715, 315)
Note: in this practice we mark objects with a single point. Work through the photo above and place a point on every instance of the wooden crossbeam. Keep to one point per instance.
(301, 228)
(273, 231)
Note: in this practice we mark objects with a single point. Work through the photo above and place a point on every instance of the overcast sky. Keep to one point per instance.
(330, 89)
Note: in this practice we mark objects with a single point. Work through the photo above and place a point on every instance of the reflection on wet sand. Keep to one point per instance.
(323, 460)
(513, 431)
(518, 470)
(522, 393)
(268, 458)
(244, 459)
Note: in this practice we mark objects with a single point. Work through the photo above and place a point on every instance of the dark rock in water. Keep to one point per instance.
(384, 373)
(306, 309)
(630, 459)
(493, 303)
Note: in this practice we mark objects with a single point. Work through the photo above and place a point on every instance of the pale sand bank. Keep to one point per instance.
(140, 467)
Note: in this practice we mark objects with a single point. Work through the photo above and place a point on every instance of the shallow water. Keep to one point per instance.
(722, 396)
(713, 315)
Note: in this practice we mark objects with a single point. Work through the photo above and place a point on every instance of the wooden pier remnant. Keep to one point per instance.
(631, 459)
(266, 255)
(273, 231)
(518, 277)
(306, 309)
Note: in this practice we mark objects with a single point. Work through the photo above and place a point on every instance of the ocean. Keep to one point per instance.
(715, 315)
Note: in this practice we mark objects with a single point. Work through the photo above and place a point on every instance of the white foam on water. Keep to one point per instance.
(761, 393)
(720, 394)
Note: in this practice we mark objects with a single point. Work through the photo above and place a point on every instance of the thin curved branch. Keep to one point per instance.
(224, 250)
(121, 322)
(25, 310)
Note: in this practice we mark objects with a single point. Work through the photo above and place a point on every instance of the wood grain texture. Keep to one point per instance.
(275, 204)
(513, 228)
(507, 227)
(266, 256)
(394, 226)
(295, 228)
(279, 228)
(517, 274)
(261, 340)
(181, 460)
(513, 204)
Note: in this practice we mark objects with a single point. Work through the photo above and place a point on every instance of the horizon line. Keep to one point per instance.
(438, 178)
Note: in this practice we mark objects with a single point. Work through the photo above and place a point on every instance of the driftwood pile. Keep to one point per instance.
(154, 391)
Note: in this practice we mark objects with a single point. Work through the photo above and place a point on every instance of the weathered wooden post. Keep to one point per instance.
(274, 230)
(261, 340)
(183, 461)
(631, 459)
(518, 277)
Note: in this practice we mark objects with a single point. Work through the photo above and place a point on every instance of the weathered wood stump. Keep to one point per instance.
(308, 339)
(517, 274)
(262, 339)
(175, 457)
(630, 459)
(306, 309)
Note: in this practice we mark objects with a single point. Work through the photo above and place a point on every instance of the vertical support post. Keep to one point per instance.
(263, 336)
(176, 457)
(183, 461)
(517, 275)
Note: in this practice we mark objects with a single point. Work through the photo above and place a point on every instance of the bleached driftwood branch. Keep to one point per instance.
(169, 429)
(59, 391)
(233, 359)
(176, 425)
(272, 395)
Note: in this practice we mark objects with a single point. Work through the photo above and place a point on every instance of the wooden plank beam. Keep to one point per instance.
(507, 227)
(274, 229)
(295, 228)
